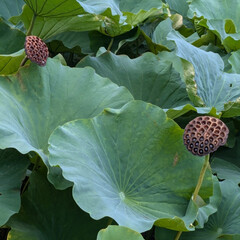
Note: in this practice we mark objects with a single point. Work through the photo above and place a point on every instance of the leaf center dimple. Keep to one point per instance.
(122, 195)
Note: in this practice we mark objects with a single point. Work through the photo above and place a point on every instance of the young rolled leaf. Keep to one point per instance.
(126, 169)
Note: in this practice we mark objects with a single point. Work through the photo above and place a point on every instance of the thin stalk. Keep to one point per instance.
(24, 61)
(178, 235)
(198, 186)
(201, 177)
(110, 45)
(31, 25)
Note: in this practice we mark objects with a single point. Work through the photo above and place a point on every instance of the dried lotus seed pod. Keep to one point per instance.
(204, 135)
(36, 50)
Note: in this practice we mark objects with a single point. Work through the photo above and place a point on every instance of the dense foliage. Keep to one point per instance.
(92, 142)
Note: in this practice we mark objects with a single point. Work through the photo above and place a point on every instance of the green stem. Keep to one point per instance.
(110, 45)
(178, 235)
(24, 61)
(201, 177)
(198, 186)
(31, 25)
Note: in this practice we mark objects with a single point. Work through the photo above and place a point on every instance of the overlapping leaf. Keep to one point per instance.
(38, 99)
(215, 87)
(123, 165)
(13, 168)
(224, 224)
(11, 44)
(156, 82)
(50, 214)
(10, 8)
(220, 16)
(10, 63)
(118, 233)
(50, 25)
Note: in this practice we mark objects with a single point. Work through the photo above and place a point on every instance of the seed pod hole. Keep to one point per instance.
(204, 135)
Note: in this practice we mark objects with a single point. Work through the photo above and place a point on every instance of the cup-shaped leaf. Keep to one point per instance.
(130, 164)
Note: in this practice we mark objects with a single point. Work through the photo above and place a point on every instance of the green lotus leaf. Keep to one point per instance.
(234, 61)
(224, 224)
(48, 26)
(128, 11)
(38, 99)
(181, 110)
(47, 213)
(55, 8)
(156, 82)
(180, 6)
(13, 167)
(11, 40)
(231, 155)
(207, 209)
(118, 233)
(226, 170)
(126, 169)
(10, 8)
(220, 18)
(10, 63)
(160, 34)
(215, 87)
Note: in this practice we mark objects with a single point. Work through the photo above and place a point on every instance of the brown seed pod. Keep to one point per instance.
(36, 50)
(204, 135)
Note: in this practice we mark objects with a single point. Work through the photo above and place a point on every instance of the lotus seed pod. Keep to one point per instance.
(204, 135)
(36, 50)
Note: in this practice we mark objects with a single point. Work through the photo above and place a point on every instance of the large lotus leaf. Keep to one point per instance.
(156, 82)
(160, 34)
(231, 155)
(118, 233)
(11, 40)
(180, 6)
(215, 87)
(128, 10)
(224, 224)
(47, 27)
(89, 42)
(55, 8)
(220, 17)
(226, 170)
(38, 99)
(47, 213)
(13, 168)
(127, 169)
(10, 8)
(10, 63)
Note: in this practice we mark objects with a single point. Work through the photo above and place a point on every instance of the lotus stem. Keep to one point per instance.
(201, 177)
(29, 32)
